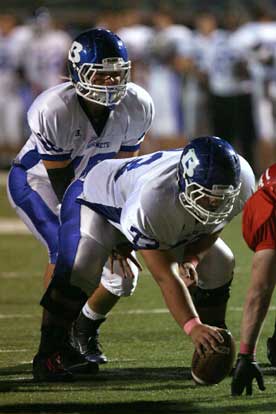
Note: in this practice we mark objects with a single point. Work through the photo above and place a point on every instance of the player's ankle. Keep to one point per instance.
(52, 339)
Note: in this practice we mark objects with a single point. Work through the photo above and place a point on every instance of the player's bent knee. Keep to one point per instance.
(88, 265)
(211, 297)
(85, 280)
(217, 267)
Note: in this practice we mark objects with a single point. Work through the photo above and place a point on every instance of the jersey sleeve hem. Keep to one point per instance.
(130, 148)
(60, 157)
(266, 245)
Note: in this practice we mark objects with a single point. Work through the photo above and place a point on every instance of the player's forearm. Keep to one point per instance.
(178, 300)
(60, 177)
(255, 310)
(175, 293)
(258, 297)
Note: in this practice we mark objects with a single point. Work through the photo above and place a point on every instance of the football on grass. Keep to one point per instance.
(214, 366)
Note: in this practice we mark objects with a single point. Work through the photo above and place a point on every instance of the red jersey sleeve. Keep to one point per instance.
(259, 221)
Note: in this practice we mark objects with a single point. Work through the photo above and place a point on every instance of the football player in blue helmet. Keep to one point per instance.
(209, 172)
(138, 204)
(99, 66)
(97, 114)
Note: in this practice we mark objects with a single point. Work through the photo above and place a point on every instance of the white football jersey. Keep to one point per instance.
(257, 42)
(204, 48)
(10, 52)
(252, 34)
(61, 130)
(140, 197)
(220, 63)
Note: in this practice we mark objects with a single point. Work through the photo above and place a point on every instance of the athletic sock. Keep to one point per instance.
(90, 314)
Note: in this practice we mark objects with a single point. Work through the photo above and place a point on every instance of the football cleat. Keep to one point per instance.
(271, 351)
(76, 363)
(85, 339)
(50, 369)
(61, 366)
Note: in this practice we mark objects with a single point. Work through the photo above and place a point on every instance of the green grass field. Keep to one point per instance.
(149, 368)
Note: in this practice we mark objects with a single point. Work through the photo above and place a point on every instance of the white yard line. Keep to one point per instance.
(18, 275)
(13, 226)
(141, 311)
(127, 312)
(18, 315)
(13, 350)
(164, 310)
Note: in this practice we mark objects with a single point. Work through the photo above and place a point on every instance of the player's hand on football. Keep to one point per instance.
(206, 338)
(122, 254)
(245, 372)
(188, 274)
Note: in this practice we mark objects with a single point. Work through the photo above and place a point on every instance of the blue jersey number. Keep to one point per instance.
(140, 241)
(137, 162)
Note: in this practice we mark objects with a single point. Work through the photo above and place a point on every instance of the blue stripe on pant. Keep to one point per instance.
(69, 237)
(33, 205)
(69, 233)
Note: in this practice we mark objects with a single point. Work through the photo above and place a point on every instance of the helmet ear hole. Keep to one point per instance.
(209, 179)
(99, 51)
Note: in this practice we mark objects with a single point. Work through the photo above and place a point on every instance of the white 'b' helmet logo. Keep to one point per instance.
(74, 52)
(189, 163)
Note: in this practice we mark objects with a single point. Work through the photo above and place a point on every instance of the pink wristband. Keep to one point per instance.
(192, 259)
(188, 326)
(247, 349)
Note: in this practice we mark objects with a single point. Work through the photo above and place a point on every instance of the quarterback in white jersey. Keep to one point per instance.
(62, 131)
(99, 114)
(170, 205)
(67, 139)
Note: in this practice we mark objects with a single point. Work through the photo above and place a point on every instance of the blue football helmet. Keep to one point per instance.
(99, 51)
(209, 179)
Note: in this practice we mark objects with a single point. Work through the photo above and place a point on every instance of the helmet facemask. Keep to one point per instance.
(209, 206)
(102, 94)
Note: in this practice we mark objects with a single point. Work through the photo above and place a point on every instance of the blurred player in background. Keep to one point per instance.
(230, 92)
(11, 104)
(169, 55)
(206, 37)
(256, 42)
(97, 115)
(171, 206)
(45, 55)
(259, 231)
(137, 36)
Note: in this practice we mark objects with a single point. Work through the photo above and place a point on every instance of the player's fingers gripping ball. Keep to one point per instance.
(212, 367)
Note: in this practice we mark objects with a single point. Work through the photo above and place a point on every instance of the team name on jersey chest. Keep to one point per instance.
(90, 141)
(96, 144)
